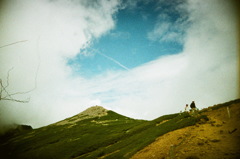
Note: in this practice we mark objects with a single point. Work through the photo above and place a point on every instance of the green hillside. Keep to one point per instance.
(94, 135)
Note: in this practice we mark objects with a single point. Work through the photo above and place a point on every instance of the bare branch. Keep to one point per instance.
(13, 43)
(4, 93)
(18, 93)
(1, 89)
(8, 77)
(16, 100)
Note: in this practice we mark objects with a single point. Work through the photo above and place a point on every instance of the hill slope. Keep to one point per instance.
(217, 138)
(100, 133)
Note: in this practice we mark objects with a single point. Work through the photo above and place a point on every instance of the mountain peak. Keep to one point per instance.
(92, 112)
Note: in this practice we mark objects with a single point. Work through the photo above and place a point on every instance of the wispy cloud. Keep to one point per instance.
(173, 22)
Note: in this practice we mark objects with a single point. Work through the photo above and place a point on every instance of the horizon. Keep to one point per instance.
(141, 59)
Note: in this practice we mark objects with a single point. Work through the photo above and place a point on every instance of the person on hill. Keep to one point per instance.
(186, 108)
(193, 107)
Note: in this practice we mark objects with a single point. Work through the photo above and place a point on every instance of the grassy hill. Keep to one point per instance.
(94, 133)
(217, 138)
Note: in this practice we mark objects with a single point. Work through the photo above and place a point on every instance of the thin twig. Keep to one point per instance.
(1, 89)
(8, 77)
(16, 100)
(36, 75)
(13, 43)
(4, 94)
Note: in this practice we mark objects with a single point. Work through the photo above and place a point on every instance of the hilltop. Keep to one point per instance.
(92, 112)
(217, 138)
(101, 133)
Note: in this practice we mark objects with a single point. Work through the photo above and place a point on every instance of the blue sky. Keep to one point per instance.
(129, 44)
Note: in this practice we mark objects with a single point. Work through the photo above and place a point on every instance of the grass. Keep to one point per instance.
(218, 106)
(111, 136)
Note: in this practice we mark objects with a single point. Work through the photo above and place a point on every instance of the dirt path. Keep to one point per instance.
(217, 138)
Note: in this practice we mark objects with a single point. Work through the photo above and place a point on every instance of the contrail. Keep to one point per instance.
(115, 61)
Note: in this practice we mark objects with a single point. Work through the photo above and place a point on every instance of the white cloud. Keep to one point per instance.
(159, 31)
(54, 30)
(205, 71)
(172, 22)
(166, 31)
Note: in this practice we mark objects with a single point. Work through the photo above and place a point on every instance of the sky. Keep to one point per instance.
(142, 59)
